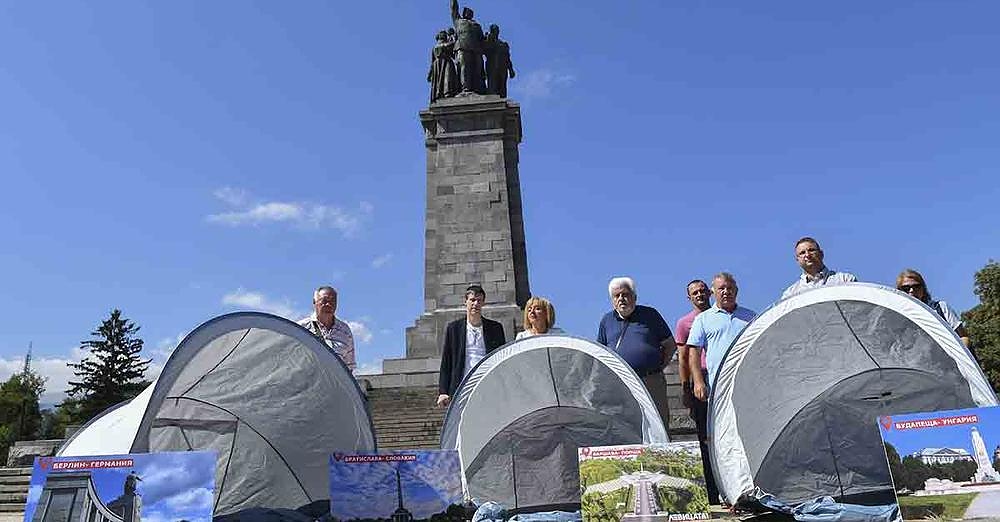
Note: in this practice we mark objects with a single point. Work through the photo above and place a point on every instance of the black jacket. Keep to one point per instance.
(453, 352)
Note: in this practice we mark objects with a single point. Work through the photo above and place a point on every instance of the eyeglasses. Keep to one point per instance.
(910, 288)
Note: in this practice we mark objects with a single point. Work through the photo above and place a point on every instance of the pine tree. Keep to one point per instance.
(113, 371)
(983, 322)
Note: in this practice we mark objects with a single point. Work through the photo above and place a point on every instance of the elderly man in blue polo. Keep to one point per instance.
(640, 336)
(715, 329)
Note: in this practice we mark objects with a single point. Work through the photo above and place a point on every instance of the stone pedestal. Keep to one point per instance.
(474, 229)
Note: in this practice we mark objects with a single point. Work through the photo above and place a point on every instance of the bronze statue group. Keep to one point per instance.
(457, 60)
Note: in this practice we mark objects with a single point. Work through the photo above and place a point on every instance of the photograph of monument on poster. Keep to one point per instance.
(141, 487)
(655, 482)
(945, 464)
(398, 487)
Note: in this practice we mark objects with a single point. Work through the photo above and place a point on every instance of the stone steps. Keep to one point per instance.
(14, 489)
(406, 418)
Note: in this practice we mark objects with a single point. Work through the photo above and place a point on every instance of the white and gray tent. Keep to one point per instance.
(262, 392)
(794, 407)
(520, 415)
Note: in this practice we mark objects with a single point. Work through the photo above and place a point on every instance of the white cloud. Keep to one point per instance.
(247, 299)
(369, 368)
(542, 82)
(244, 210)
(381, 260)
(360, 330)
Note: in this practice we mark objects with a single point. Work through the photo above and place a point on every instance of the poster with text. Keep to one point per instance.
(944, 465)
(408, 485)
(140, 487)
(657, 482)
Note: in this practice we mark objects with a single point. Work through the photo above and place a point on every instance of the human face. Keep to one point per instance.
(725, 293)
(912, 286)
(474, 307)
(538, 318)
(623, 300)
(698, 295)
(325, 304)
(809, 256)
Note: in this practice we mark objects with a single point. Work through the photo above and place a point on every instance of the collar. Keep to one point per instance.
(320, 325)
(716, 308)
(618, 317)
(822, 275)
(470, 326)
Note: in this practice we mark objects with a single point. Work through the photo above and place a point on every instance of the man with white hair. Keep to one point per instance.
(640, 336)
(324, 324)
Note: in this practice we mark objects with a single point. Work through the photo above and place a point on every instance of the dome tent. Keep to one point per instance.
(262, 392)
(833, 360)
(519, 416)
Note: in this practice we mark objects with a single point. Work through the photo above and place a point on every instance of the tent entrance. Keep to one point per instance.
(535, 458)
(824, 450)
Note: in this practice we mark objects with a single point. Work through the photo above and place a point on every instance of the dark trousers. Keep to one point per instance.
(700, 415)
(656, 385)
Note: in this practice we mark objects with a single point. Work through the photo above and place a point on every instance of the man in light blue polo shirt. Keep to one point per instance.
(715, 329)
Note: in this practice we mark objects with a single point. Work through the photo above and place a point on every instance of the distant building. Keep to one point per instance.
(942, 455)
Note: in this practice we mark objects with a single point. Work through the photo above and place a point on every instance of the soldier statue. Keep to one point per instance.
(130, 483)
(498, 64)
(469, 49)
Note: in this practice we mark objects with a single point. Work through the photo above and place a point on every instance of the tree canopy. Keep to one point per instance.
(113, 371)
(983, 322)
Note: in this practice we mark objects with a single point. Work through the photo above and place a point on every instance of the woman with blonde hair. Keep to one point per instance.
(539, 318)
(911, 282)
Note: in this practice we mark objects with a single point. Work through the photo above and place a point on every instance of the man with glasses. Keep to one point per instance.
(640, 336)
(815, 274)
(324, 324)
(466, 342)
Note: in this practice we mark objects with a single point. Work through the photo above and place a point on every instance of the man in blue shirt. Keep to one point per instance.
(640, 336)
(715, 329)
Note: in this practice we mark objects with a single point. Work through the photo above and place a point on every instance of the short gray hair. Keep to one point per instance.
(726, 276)
(619, 282)
(321, 289)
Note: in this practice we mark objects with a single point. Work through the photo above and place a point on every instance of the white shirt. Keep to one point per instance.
(528, 333)
(338, 338)
(823, 278)
(475, 346)
(945, 311)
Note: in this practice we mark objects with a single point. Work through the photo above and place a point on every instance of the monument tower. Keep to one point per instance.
(473, 225)
(474, 230)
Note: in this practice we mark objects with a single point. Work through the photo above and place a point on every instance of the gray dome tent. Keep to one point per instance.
(519, 416)
(261, 391)
(794, 407)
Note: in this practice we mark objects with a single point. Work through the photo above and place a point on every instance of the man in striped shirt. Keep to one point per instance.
(323, 323)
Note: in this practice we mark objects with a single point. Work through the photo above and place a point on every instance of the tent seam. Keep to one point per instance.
(225, 472)
(552, 374)
(239, 420)
(856, 338)
(235, 346)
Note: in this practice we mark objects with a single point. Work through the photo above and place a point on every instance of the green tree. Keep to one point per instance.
(113, 371)
(895, 465)
(20, 418)
(983, 322)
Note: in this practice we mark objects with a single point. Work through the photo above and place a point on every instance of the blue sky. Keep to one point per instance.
(430, 484)
(181, 160)
(173, 486)
(910, 441)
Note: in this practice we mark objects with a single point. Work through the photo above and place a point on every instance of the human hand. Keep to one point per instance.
(700, 391)
(443, 400)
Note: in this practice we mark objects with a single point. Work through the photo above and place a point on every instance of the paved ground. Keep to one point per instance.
(985, 505)
(11, 517)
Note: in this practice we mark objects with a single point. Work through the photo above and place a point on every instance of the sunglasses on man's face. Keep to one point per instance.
(910, 288)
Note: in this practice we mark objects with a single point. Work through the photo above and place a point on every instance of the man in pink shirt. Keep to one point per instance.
(697, 293)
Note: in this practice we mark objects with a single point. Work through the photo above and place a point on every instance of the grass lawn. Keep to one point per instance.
(954, 505)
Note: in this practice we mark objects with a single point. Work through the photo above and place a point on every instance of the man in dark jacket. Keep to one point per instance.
(466, 342)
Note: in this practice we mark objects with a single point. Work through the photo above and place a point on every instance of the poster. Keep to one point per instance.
(944, 464)
(141, 487)
(655, 482)
(402, 486)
